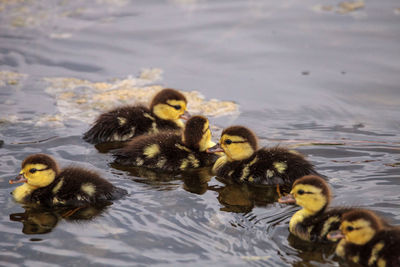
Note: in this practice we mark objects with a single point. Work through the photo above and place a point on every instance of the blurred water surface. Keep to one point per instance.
(309, 74)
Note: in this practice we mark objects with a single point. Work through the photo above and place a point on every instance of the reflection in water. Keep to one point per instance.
(41, 220)
(244, 197)
(195, 181)
(234, 197)
(311, 254)
(250, 52)
(109, 146)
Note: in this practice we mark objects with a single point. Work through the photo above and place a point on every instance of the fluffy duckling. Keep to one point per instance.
(46, 184)
(124, 123)
(245, 163)
(171, 151)
(314, 221)
(367, 240)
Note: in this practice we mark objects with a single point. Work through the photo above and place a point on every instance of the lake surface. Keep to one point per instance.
(317, 76)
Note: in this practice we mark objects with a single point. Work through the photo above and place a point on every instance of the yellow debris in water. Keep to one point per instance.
(84, 100)
(346, 7)
(10, 78)
(342, 8)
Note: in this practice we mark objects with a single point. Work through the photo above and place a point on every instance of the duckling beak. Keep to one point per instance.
(185, 116)
(335, 235)
(288, 199)
(215, 149)
(19, 179)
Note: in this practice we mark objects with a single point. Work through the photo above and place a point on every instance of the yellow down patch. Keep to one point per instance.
(58, 186)
(280, 166)
(151, 151)
(374, 253)
(89, 189)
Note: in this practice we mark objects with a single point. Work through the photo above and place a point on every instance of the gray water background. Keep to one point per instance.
(300, 73)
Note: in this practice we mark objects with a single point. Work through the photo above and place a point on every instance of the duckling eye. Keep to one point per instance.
(33, 170)
(349, 228)
(300, 192)
(177, 107)
(228, 141)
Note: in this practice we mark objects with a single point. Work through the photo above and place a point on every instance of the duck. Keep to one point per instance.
(315, 220)
(244, 162)
(367, 239)
(46, 184)
(123, 123)
(171, 151)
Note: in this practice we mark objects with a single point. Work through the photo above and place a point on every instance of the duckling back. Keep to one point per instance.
(165, 151)
(77, 186)
(268, 166)
(124, 123)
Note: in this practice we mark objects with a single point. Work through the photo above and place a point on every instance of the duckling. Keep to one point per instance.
(171, 151)
(46, 184)
(245, 163)
(315, 220)
(367, 239)
(124, 123)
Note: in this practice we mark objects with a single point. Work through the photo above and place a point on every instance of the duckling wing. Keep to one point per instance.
(157, 151)
(386, 246)
(120, 124)
(76, 186)
(163, 151)
(281, 166)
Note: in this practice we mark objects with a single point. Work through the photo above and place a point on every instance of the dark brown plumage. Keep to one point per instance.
(41, 159)
(170, 151)
(265, 171)
(124, 123)
(166, 94)
(244, 132)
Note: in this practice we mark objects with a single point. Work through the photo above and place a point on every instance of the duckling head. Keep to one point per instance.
(38, 170)
(358, 227)
(197, 134)
(237, 142)
(169, 104)
(310, 192)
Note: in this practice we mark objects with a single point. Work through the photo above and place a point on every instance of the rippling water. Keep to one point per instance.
(307, 74)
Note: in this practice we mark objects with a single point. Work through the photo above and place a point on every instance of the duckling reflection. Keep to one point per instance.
(41, 220)
(194, 180)
(311, 255)
(107, 147)
(240, 198)
(36, 221)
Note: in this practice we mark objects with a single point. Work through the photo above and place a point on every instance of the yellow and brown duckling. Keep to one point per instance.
(46, 184)
(121, 124)
(368, 240)
(245, 163)
(171, 151)
(314, 221)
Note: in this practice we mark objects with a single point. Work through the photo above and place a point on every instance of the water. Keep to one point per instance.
(303, 74)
